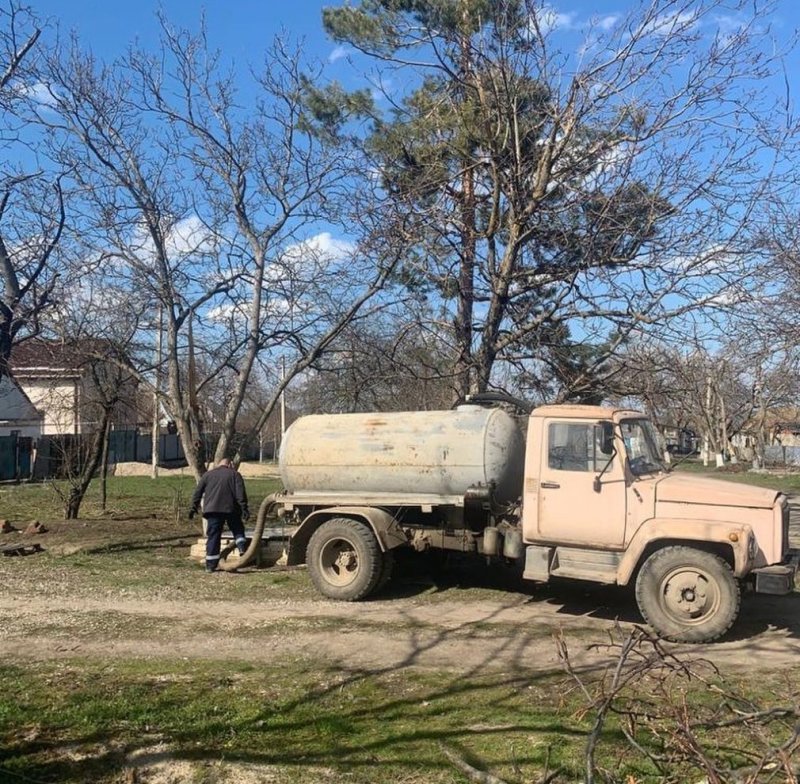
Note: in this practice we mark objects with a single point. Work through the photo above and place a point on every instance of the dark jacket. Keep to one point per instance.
(222, 491)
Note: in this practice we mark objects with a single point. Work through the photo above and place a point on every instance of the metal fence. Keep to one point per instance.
(130, 446)
(58, 456)
(15, 458)
(779, 455)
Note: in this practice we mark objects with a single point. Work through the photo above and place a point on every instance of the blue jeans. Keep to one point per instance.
(214, 526)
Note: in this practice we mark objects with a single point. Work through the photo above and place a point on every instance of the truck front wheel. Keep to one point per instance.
(344, 559)
(687, 595)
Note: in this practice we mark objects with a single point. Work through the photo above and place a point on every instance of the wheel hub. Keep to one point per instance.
(686, 594)
(346, 560)
(339, 562)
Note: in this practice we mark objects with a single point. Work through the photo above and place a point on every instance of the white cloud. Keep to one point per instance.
(38, 92)
(328, 245)
(187, 236)
(607, 22)
(224, 312)
(709, 261)
(321, 248)
(550, 19)
(338, 53)
(190, 235)
(309, 258)
(666, 24)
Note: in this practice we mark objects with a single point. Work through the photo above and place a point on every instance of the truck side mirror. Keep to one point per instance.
(607, 438)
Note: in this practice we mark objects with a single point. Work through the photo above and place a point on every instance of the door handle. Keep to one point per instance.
(550, 485)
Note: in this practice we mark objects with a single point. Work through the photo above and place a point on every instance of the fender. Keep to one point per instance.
(386, 529)
(737, 536)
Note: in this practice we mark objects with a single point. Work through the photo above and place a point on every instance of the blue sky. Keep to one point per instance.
(244, 28)
(241, 27)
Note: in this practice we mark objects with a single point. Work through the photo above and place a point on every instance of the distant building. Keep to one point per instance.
(57, 379)
(18, 415)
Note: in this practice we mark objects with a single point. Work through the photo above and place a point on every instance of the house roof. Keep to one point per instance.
(54, 357)
(15, 405)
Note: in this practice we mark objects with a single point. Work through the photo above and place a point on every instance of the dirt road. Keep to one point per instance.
(128, 589)
(512, 632)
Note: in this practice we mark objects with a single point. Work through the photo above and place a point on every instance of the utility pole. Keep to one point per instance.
(283, 397)
(707, 438)
(156, 402)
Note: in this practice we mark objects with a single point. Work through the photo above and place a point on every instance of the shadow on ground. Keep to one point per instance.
(420, 573)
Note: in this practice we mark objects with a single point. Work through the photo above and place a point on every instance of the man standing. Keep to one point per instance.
(224, 499)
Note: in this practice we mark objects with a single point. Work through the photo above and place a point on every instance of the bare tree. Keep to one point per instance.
(736, 388)
(85, 455)
(199, 212)
(384, 364)
(32, 215)
(268, 175)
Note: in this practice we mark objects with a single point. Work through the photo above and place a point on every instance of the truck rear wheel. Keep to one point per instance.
(344, 559)
(687, 595)
(386, 572)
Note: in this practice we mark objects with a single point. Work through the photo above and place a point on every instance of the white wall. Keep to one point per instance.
(56, 399)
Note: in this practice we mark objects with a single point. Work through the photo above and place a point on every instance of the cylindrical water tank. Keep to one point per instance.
(414, 452)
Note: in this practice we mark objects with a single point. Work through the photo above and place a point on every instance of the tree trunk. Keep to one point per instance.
(81, 484)
(5, 351)
(181, 411)
(104, 467)
(251, 353)
(462, 326)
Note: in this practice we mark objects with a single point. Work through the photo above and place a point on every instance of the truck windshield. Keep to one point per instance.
(641, 446)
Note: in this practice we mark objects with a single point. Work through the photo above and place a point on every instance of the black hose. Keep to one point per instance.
(490, 398)
(251, 553)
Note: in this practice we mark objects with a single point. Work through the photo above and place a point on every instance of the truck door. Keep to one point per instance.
(570, 510)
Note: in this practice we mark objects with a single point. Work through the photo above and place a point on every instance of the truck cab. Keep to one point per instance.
(600, 504)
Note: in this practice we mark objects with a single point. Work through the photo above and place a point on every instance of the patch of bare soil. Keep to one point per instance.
(156, 765)
(69, 536)
(49, 611)
(516, 634)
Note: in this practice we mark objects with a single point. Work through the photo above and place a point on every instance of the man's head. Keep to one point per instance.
(225, 461)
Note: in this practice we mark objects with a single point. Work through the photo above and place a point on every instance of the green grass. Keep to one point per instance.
(80, 720)
(168, 497)
(786, 482)
(77, 721)
(165, 498)
(303, 720)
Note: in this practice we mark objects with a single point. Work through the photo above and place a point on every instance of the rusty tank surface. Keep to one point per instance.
(433, 452)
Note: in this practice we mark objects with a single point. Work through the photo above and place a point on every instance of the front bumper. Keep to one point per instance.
(778, 579)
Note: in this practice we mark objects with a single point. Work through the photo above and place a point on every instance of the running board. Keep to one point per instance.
(542, 563)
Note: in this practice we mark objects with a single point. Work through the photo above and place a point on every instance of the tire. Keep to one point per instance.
(344, 560)
(687, 595)
(387, 569)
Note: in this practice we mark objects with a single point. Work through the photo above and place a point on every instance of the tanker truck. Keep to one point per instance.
(583, 495)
